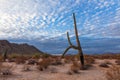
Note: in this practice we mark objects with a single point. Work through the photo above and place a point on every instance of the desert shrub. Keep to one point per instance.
(13, 55)
(69, 58)
(31, 61)
(43, 64)
(117, 62)
(45, 55)
(56, 61)
(89, 60)
(105, 65)
(26, 68)
(113, 73)
(36, 56)
(6, 69)
(107, 62)
(53, 70)
(20, 60)
(1, 59)
(75, 67)
(63, 61)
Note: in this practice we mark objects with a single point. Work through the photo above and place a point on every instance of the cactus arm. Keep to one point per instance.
(69, 39)
(70, 42)
(66, 51)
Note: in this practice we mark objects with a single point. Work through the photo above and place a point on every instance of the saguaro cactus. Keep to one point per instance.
(5, 55)
(78, 47)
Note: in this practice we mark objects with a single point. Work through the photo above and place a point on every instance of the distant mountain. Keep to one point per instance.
(17, 48)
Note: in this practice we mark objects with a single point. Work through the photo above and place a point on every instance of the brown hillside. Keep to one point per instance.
(17, 48)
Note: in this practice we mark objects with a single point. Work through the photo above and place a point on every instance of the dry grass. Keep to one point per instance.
(113, 73)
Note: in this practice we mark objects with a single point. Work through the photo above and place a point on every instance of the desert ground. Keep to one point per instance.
(58, 71)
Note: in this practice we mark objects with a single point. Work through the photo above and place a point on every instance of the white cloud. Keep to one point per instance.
(33, 19)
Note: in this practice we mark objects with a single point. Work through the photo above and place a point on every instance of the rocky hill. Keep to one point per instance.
(17, 48)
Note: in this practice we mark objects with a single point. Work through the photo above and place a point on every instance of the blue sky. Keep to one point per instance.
(44, 23)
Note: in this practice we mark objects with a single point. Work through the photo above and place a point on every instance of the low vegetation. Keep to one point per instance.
(43, 64)
(113, 73)
(75, 67)
(105, 65)
(6, 69)
(117, 62)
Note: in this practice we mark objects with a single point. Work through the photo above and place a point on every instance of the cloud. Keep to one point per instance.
(43, 20)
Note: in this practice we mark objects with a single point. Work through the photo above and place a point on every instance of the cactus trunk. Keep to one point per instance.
(78, 47)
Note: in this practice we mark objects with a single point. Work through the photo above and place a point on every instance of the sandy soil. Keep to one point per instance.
(57, 73)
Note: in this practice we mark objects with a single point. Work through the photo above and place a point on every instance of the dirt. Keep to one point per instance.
(59, 72)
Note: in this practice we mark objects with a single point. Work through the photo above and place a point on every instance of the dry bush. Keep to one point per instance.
(26, 68)
(69, 58)
(63, 61)
(105, 65)
(113, 73)
(56, 61)
(75, 67)
(88, 62)
(43, 64)
(6, 69)
(19, 61)
(117, 62)
(53, 70)
(14, 55)
(36, 56)
(31, 61)
(1, 59)
(107, 62)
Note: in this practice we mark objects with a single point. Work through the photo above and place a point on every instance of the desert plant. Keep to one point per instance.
(105, 65)
(14, 55)
(36, 56)
(117, 62)
(45, 55)
(43, 64)
(56, 61)
(75, 67)
(89, 60)
(19, 60)
(31, 61)
(5, 55)
(1, 59)
(6, 69)
(26, 68)
(113, 73)
(78, 47)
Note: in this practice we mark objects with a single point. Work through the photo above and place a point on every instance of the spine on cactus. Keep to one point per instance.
(78, 47)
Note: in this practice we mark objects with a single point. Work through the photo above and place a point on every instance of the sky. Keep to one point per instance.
(44, 23)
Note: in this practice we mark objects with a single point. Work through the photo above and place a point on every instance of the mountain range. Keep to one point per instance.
(23, 48)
